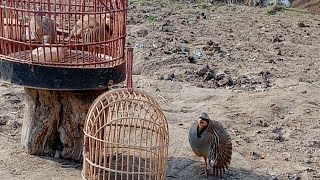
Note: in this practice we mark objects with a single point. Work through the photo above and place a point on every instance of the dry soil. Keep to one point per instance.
(256, 73)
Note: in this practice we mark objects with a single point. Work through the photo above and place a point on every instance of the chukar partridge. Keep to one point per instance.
(92, 28)
(209, 140)
(42, 26)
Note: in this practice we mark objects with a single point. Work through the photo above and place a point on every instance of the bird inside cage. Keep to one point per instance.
(49, 54)
(92, 28)
(13, 26)
(13, 29)
(41, 27)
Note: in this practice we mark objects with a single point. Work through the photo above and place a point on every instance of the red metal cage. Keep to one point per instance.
(67, 33)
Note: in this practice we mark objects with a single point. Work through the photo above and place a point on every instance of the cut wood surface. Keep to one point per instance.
(54, 120)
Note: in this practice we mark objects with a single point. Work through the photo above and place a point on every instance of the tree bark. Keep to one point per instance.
(54, 121)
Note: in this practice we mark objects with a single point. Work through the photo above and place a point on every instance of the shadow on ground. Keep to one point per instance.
(181, 168)
(189, 169)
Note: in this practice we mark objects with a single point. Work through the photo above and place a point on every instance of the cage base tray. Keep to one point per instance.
(60, 78)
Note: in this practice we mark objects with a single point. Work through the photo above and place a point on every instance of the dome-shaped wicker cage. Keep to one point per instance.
(83, 33)
(126, 137)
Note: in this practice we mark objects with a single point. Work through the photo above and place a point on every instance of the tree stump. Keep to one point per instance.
(54, 120)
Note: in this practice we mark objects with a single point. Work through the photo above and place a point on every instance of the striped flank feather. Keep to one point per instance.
(220, 152)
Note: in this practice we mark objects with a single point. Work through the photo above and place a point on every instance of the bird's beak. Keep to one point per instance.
(199, 120)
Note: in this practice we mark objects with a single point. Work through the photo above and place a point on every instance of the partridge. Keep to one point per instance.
(49, 54)
(42, 26)
(209, 140)
(92, 28)
(13, 29)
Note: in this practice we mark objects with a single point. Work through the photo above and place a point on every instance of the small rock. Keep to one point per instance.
(167, 52)
(209, 75)
(191, 78)
(294, 177)
(3, 120)
(5, 85)
(169, 77)
(166, 29)
(142, 32)
(138, 46)
(180, 49)
(184, 41)
(202, 71)
(278, 137)
(184, 49)
(255, 155)
(273, 177)
(279, 52)
(276, 46)
(263, 124)
(277, 130)
(198, 53)
(309, 162)
(199, 85)
(276, 39)
(210, 43)
(14, 124)
(191, 59)
(225, 81)
(301, 24)
(220, 76)
(161, 77)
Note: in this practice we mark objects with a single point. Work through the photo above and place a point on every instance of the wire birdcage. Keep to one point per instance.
(69, 33)
(126, 137)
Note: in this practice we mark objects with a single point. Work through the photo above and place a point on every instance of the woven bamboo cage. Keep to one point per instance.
(126, 136)
(76, 33)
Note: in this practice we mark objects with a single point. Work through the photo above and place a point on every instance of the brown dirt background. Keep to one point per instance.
(262, 82)
(310, 5)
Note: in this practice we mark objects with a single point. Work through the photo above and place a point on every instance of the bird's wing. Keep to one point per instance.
(49, 29)
(77, 28)
(32, 24)
(35, 28)
(220, 151)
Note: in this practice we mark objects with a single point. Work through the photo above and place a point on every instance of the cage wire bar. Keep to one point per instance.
(126, 136)
(72, 33)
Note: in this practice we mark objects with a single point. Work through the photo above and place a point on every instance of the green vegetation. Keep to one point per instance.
(151, 22)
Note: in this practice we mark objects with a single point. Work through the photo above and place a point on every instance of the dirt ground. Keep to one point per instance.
(256, 73)
(309, 5)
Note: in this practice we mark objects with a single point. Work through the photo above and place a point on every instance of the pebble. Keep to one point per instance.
(202, 71)
(3, 120)
(273, 177)
(208, 75)
(14, 124)
(191, 59)
(142, 32)
(139, 46)
(294, 177)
